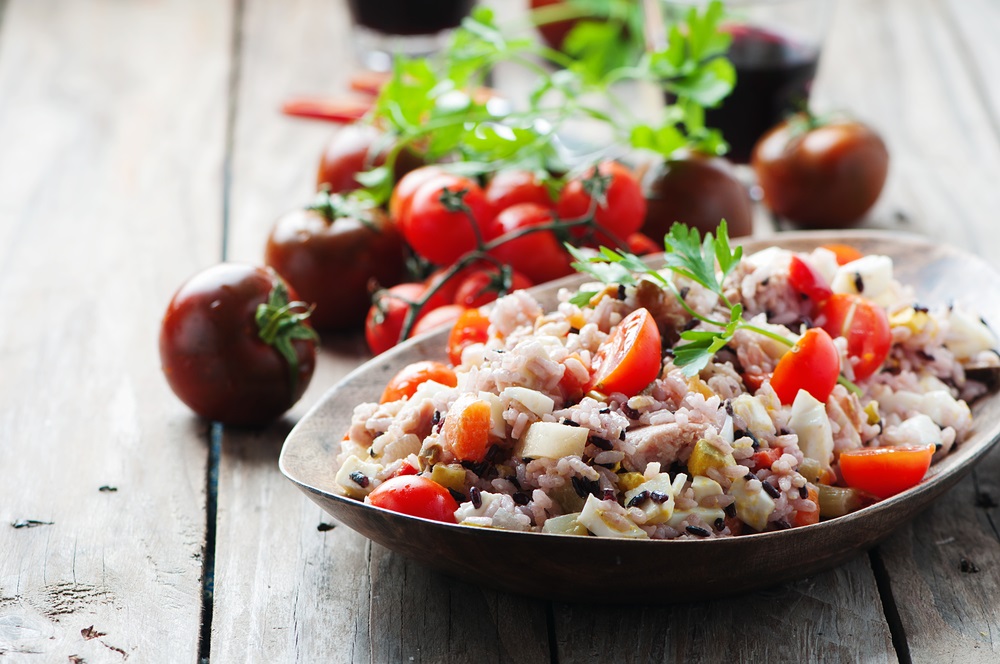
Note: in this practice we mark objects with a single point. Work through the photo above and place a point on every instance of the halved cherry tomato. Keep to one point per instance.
(630, 359)
(807, 280)
(410, 377)
(436, 318)
(885, 471)
(482, 286)
(470, 328)
(808, 518)
(812, 364)
(405, 469)
(416, 496)
(865, 326)
(468, 430)
(845, 253)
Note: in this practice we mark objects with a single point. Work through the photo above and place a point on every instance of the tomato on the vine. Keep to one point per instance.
(630, 359)
(538, 255)
(622, 210)
(812, 364)
(821, 175)
(235, 345)
(471, 327)
(508, 188)
(885, 471)
(641, 244)
(445, 217)
(435, 318)
(405, 383)
(387, 315)
(865, 326)
(406, 187)
(482, 286)
(331, 252)
(415, 495)
(354, 149)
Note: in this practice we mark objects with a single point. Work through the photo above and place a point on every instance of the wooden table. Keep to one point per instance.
(141, 142)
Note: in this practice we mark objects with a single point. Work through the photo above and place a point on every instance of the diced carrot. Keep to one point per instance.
(468, 431)
(765, 457)
(808, 518)
(845, 253)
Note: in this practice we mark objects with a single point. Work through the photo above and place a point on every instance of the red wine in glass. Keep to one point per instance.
(409, 18)
(774, 73)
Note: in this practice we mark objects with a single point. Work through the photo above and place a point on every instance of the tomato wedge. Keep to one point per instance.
(886, 471)
(812, 364)
(865, 326)
(416, 496)
(410, 377)
(630, 359)
(807, 280)
(471, 327)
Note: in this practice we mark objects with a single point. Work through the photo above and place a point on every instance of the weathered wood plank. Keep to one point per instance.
(110, 189)
(290, 591)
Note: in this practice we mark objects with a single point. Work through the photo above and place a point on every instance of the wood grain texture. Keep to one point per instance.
(110, 191)
(290, 592)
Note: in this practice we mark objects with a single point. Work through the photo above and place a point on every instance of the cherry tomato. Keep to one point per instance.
(812, 364)
(441, 235)
(698, 191)
(807, 280)
(630, 359)
(821, 176)
(844, 252)
(406, 187)
(865, 326)
(554, 33)
(885, 471)
(384, 323)
(352, 150)
(416, 496)
(410, 377)
(439, 317)
(539, 256)
(484, 285)
(331, 254)
(624, 207)
(213, 348)
(471, 327)
(641, 244)
(508, 188)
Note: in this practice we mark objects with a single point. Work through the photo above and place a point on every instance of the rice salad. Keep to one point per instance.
(708, 449)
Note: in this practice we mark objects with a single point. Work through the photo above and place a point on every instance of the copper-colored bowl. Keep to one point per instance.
(565, 567)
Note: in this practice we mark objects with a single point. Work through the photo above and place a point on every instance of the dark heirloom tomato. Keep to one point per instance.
(698, 191)
(213, 348)
(330, 252)
(821, 176)
(812, 364)
(352, 151)
(630, 359)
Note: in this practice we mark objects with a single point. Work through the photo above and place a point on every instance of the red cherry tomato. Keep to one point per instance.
(641, 244)
(539, 256)
(821, 176)
(406, 187)
(630, 359)
(812, 364)
(441, 235)
(330, 254)
(212, 350)
(624, 207)
(410, 377)
(845, 253)
(354, 149)
(483, 286)
(508, 188)
(885, 471)
(554, 33)
(865, 326)
(386, 317)
(416, 496)
(471, 327)
(436, 318)
(807, 280)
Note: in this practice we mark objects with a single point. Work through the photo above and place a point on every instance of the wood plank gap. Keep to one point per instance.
(233, 93)
(884, 583)
(550, 623)
(211, 513)
(979, 87)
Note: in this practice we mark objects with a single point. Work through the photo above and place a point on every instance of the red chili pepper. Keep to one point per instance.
(342, 110)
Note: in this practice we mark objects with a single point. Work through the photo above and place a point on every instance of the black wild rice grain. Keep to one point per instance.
(698, 531)
(476, 497)
(570, 423)
(621, 291)
(765, 281)
(781, 524)
(621, 435)
(521, 498)
(859, 284)
(638, 498)
(630, 412)
(360, 479)
(803, 492)
(729, 407)
(513, 480)
(658, 497)
(459, 497)
(691, 324)
(604, 411)
(771, 490)
(720, 524)
(601, 443)
(579, 486)
(574, 330)
(436, 417)
(919, 308)
(730, 510)
(478, 467)
(684, 291)
(749, 476)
